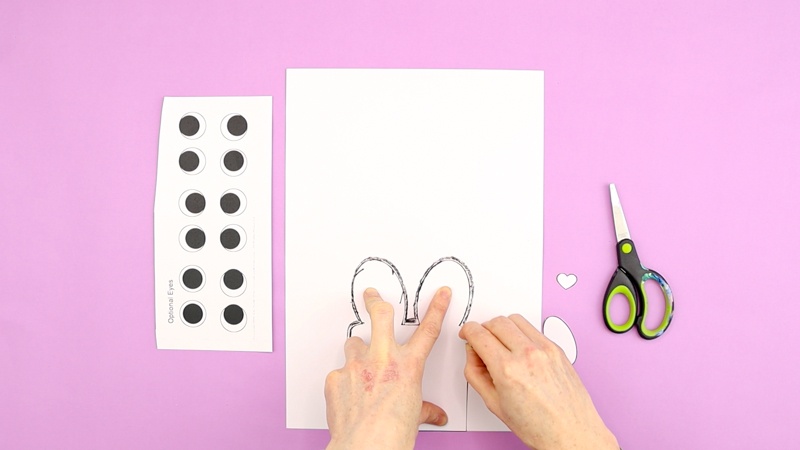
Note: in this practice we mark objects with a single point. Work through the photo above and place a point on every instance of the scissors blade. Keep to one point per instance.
(620, 225)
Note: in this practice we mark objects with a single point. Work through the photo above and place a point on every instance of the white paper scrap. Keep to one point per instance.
(213, 224)
(404, 171)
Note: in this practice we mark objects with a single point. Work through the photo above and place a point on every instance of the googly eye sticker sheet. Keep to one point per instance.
(213, 224)
(407, 180)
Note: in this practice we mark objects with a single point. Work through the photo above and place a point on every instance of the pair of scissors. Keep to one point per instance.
(629, 280)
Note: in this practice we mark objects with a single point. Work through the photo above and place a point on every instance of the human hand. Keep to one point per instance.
(527, 382)
(375, 400)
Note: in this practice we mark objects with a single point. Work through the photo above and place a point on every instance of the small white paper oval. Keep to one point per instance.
(557, 331)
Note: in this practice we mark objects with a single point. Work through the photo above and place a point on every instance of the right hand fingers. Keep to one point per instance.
(509, 333)
(529, 330)
(485, 344)
(478, 377)
(381, 316)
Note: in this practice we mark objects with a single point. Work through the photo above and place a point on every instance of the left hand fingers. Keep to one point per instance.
(432, 414)
(353, 346)
(428, 331)
(381, 316)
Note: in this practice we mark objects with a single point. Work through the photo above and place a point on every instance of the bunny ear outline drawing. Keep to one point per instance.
(408, 320)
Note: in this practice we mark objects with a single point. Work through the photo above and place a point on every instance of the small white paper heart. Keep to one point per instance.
(557, 331)
(567, 280)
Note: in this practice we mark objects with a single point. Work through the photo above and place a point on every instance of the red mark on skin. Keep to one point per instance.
(391, 373)
(388, 375)
(366, 378)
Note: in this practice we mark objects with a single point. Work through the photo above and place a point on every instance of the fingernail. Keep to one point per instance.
(445, 293)
(371, 292)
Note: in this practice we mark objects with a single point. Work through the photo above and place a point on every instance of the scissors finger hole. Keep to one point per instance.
(621, 311)
(656, 304)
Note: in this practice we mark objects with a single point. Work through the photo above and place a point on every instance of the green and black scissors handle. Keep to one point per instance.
(629, 280)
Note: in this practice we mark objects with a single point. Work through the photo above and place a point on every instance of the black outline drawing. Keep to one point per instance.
(408, 321)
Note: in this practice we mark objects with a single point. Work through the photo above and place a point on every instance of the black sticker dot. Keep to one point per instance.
(189, 125)
(233, 279)
(230, 203)
(237, 125)
(195, 203)
(234, 160)
(230, 239)
(193, 313)
(195, 238)
(233, 314)
(192, 279)
(189, 161)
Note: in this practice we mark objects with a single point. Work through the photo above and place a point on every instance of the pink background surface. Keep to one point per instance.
(691, 107)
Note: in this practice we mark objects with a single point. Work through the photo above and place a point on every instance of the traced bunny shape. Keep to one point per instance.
(359, 269)
(414, 319)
